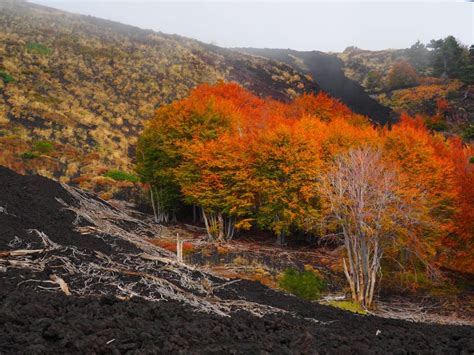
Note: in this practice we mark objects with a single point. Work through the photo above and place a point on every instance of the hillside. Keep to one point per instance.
(328, 71)
(75, 90)
(360, 78)
(429, 90)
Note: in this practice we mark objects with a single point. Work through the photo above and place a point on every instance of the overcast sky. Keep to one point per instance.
(309, 25)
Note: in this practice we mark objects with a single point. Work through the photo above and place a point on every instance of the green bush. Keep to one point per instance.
(121, 176)
(469, 132)
(471, 160)
(438, 126)
(38, 48)
(304, 284)
(43, 147)
(7, 78)
(29, 155)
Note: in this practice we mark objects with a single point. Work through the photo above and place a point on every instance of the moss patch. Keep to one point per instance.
(350, 306)
(38, 48)
(43, 147)
(7, 78)
(119, 175)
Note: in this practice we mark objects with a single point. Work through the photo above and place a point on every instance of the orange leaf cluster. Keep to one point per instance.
(257, 161)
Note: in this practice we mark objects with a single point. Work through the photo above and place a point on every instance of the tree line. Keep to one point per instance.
(312, 166)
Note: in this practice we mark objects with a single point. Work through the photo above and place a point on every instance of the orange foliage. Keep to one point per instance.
(442, 104)
(251, 160)
(439, 170)
(171, 245)
(462, 239)
(415, 99)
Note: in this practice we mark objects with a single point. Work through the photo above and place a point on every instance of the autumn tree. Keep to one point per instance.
(401, 75)
(360, 195)
(216, 176)
(461, 239)
(200, 117)
(426, 170)
(285, 166)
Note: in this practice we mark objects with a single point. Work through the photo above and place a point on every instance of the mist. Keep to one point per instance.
(325, 26)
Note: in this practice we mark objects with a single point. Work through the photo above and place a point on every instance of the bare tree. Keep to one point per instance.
(360, 196)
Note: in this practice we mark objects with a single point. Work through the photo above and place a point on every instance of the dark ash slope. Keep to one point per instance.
(37, 321)
(326, 70)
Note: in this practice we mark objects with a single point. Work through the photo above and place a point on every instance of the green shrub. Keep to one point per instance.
(7, 78)
(29, 155)
(468, 132)
(38, 48)
(471, 160)
(304, 284)
(43, 147)
(438, 126)
(121, 176)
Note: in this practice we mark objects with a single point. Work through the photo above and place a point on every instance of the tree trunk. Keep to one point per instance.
(221, 227)
(280, 239)
(153, 204)
(206, 222)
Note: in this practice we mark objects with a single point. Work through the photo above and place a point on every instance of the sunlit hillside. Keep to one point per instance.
(75, 90)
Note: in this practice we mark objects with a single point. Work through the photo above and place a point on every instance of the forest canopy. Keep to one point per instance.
(249, 162)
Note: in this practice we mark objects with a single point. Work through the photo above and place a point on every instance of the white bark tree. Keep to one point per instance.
(219, 228)
(360, 198)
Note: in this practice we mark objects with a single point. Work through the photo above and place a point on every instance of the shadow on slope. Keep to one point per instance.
(326, 70)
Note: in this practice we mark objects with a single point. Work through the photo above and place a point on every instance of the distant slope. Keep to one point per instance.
(358, 63)
(421, 98)
(75, 90)
(327, 71)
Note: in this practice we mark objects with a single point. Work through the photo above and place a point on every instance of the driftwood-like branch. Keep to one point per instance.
(153, 274)
(61, 283)
(20, 252)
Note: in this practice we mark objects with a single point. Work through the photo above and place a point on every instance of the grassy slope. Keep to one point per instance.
(420, 99)
(87, 85)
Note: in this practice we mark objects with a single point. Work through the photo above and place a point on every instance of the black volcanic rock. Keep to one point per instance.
(35, 321)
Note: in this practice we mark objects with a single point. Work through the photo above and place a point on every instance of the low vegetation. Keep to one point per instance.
(38, 48)
(43, 147)
(350, 306)
(7, 78)
(304, 284)
(119, 175)
(413, 80)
